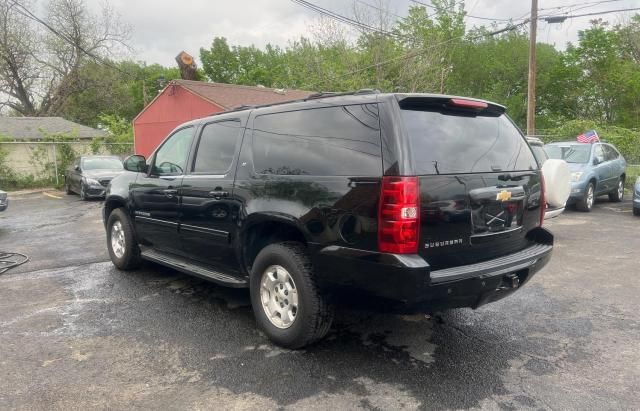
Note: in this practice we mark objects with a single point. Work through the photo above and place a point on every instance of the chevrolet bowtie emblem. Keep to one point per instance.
(504, 195)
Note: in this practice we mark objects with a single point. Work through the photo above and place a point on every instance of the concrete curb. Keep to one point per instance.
(26, 193)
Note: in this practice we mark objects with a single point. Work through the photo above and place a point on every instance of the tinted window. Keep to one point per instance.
(571, 153)
(332, 141)
(446, 143)
(610, 153)
(217, 147)
(539, 153)
(171, 158)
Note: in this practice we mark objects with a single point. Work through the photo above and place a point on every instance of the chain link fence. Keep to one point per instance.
(27, 164)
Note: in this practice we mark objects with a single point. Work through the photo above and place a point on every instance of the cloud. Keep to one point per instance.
(161, 29)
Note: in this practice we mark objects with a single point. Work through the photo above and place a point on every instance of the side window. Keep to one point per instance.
(610, 153)
(217, 147)
(598, 153)
(330, 141)
(170, 159)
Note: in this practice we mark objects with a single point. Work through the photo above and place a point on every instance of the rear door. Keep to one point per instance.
(209, 210)
(602, 169)
(479, 181)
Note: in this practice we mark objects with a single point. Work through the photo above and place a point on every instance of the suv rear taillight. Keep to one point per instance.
(543, 198)
(399, 215)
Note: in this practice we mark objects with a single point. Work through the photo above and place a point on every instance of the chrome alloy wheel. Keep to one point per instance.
(620, 189)
(117, 239)
(279, 296)
(590, 196)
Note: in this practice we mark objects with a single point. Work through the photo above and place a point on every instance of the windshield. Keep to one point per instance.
(447, 143)
(101, 163)
(572, 153)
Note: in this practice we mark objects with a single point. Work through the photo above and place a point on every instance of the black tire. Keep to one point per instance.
(314, 315)
(617, 195)
(83, 195)
(636, 211)
(586, 202)
(130, 259)
(67, 187)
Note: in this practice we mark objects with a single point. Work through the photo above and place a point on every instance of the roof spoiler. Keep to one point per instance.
(464, 104)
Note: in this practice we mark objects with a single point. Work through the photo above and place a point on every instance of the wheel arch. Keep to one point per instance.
(110, 204)
(265, 229)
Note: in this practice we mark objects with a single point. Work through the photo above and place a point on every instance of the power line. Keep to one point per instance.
(379, 9)
(415, 53)
(594, 3)
(466, 15)
(339, 17)
(30, 15)
(595, 13)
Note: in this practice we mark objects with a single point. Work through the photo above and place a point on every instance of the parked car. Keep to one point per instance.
(557, 179)
(636, 197)
(596, 169)
(4, 200)
(423, 201)
(90, 175)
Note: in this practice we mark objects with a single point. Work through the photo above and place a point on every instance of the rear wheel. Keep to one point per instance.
(286, 301)
(636, 211)
(586, 203)
(121, 242)
(67, 187)
(617, 195)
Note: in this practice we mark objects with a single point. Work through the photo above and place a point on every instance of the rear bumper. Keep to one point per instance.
(409, 283)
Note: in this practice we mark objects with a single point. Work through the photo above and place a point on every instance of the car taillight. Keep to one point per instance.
(399, 215)
(543, 199)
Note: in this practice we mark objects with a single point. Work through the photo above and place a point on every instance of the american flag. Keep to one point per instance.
(588, 137)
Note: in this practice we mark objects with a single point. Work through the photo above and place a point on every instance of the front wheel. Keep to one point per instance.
(286, 301)
(121, 242)
(586, 203)
(618, 194)
(83, 192)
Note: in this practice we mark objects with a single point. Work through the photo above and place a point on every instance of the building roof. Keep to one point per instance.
(29, 128)
(229, 96)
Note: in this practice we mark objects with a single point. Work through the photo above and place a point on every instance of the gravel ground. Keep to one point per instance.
(75, 333)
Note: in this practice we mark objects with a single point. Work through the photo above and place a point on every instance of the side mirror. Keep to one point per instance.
(597, 161)
(76, 167)
(135, 163)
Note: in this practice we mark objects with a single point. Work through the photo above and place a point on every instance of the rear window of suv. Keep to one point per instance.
(445, 142)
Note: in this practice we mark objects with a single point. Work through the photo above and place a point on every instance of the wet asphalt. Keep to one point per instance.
(75, 333)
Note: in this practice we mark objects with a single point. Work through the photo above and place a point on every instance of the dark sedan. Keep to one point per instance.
(89, 176)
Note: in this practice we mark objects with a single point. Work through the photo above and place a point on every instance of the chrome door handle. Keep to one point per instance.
(170, 193)
(218, 194)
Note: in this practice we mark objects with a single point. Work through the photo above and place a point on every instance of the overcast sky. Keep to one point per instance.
(160, 29)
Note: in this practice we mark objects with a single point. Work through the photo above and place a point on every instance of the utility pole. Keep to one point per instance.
(531, 94)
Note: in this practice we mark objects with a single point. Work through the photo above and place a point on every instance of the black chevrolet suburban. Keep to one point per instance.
(425, 202)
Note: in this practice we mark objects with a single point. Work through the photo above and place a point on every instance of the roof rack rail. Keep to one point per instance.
(323, 94)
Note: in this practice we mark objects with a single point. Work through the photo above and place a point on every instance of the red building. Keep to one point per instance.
(184, 100)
